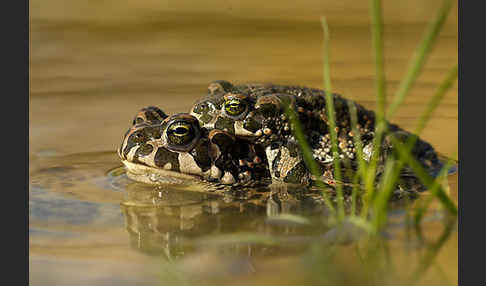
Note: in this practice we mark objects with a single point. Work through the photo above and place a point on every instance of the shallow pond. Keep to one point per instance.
(93, 65)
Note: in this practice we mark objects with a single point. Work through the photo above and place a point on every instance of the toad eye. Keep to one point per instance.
(180, 133)
(234, 107)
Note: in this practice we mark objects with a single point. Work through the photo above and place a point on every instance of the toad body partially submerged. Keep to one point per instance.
(177, 146)
(256, 112)
(253, 137)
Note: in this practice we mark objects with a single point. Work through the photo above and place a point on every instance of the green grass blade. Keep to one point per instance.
(353, 114)
(426, 179)
(332, 119)
(314, 168)
(414, 70)
(377, 38)
(362, 223)
(387, 184)
(362, 165)
(420, 212)
(433, 103)
(431, 106)
(354, 193)
(444, 86)
(420, 57)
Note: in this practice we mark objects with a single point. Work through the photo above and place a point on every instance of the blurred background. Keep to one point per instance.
(94, 64)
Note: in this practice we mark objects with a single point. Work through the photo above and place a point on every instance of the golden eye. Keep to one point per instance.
(234, 107)
(180, 133)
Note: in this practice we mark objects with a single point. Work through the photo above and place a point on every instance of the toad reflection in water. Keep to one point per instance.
(174, 223)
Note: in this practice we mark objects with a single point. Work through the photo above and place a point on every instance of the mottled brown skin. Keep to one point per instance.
(179, 144)
(263, 122)
(248, 127)
(150, 114)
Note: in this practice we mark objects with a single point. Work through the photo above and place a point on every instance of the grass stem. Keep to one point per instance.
(419, 58)
(332, 119)
(314, 168)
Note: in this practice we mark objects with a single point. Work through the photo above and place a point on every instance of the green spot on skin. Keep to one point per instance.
(205, 118)
(226, 124)
(252, 125)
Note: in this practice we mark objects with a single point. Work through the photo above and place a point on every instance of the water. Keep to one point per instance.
(93, 65)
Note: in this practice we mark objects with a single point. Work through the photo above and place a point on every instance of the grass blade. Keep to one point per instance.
(426, 179)
(420, 212)
(419, 58)
(387, 185)
(445, 85)
(362, 164)
(314, 168)
(332, 119)
(415, 67)
(377, 38)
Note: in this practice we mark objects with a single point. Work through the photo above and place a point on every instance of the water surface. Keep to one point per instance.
(93, 65)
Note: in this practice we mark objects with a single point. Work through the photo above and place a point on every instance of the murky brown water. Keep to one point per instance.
(95, 63)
